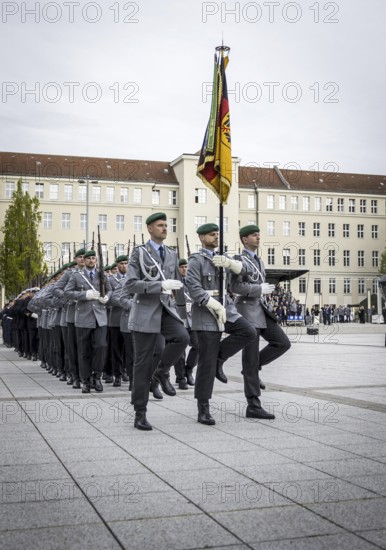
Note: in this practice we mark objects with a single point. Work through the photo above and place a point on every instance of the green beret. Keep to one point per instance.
(207, 228)
(182, 261)
(72, 264)
(107, 268)
(80, 252)
(155, 217)
(90, 253)
(248, 229)
(122, 258)
(113, 265)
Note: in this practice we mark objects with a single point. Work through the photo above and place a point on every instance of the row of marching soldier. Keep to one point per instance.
(151, 311)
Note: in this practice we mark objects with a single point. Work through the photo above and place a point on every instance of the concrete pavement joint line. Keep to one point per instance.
(74, 480)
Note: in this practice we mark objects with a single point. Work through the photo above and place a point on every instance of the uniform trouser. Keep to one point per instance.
(25, 341)
(129, 353)
(108, 366)
(43, 345)
(72, 347)
(212, 348)
(117, 349)
(58, 347)
(252, 358)
(177, 339)
(184, 366)
(33, 340)
(65, 344)
(92, 346)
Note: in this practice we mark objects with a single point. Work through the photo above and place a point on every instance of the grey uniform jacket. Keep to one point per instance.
(114, 309)
(122, 300)
(247, 288)
(88, 313)
(203, 282)
(145, 282)
(68, 310)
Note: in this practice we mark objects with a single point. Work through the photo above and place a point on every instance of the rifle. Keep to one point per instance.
(101, 272)
(128, 249)
(92, 243)
(115, 254)
(143, 240)
(177, 249)
(134, 241)
(187, 245)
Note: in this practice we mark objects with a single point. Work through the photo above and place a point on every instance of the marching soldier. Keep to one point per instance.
(116, 337)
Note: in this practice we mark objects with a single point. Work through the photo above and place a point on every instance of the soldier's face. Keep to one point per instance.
(90, 262)
(80, 261)
(114, 270)
(183, 270)
(122, 267)
(252, 240)
(158, 230)
(210, 240)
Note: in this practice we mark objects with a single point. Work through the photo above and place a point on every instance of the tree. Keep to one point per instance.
(21, 252)
(382, 267)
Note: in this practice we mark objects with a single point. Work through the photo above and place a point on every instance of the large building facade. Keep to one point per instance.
(331, 224)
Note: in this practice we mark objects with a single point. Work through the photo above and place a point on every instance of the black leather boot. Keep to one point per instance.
(220, 373)
(189, 377)
(98, 384)
(141, 422)
(204, 416)
(164, 380)
(255, 410)
(154, 388)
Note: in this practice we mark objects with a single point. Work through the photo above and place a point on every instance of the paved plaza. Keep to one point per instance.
(75, 474)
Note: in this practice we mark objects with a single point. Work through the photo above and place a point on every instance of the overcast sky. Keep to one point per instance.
(130, 79)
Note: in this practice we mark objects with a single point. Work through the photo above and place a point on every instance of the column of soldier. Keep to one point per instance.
(142, 316)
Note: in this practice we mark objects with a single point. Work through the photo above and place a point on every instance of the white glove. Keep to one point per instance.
(103, 300)
(188, 307)
(92, 295)
(224, 261)
(218, 309)
(171, 284)
(34, 315)
(266, 288)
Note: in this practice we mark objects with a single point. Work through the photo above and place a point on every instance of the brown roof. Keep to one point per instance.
(66, 166)
(302, 180)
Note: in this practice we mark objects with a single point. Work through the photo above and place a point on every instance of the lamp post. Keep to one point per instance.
(87, 181)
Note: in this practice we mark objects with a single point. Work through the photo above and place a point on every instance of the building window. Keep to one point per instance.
(346, 230)
(318, 204)
(351, 206)
(331, 258)
(110, 194)
(137, 223)
(329, 205)
(124, 195)
(361, 258)
(251, 201)
(47, 220)
(361, 286)
(374, 206)
(54, 191)
(361, 231)
(346, 286)
(316, 229)
(82, 193)
(172, 225)
(199, 220)
(200, 196)
(270, 228)
(317, 286)
(172, 198)
(68, 192)
(47, 250)
(302, 285)
(302, 256)
(25, 187)
(340, 205)
(294, 203)
(375, 258)
(66, 252)
(316, 257)
(120, 249)
(9, 189)
(374, 286)
(331, 230)
(270, 202)
(102, 222)
(66, 221)
(301, 229)
(96, 193)
(286, 228)
(120, 222)
(374, 232)
(83, 221)
(282, 202)
(137, 196)
(362, 206)
(156, 196)
(346, 258)
(332, 285)
(271, 256)
(225, 226)
(306, 203)
(286, 256)
(39, 190)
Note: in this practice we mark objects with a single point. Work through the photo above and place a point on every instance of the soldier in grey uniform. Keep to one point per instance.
(250, 287)
(116, 338)
(122, 300)
(210, 318)
(151, 277)
(90, 320)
